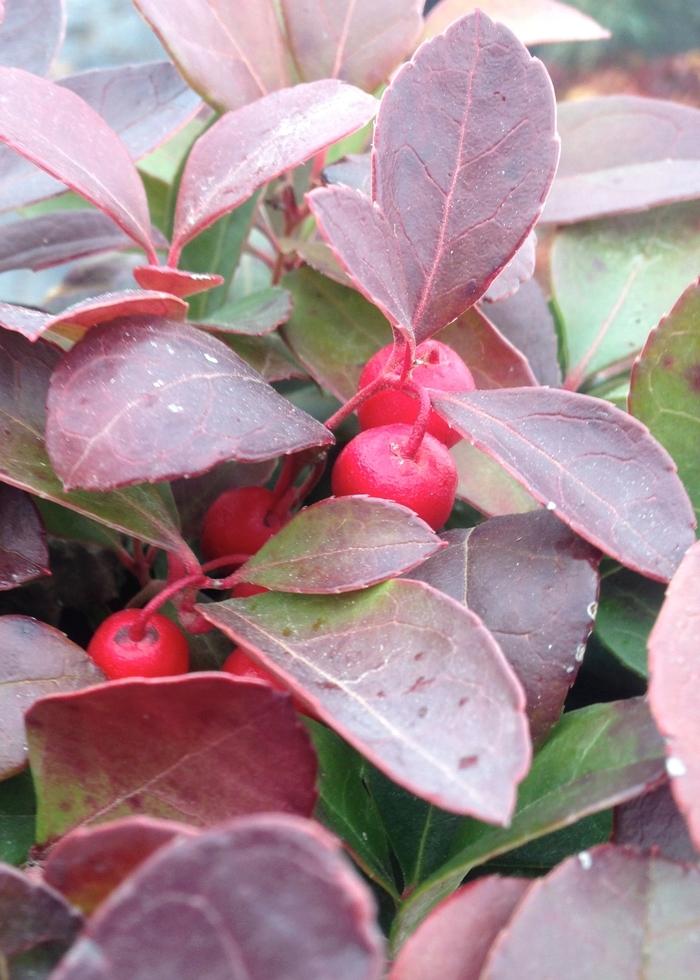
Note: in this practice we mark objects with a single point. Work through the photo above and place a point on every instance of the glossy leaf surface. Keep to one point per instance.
(31, 34)
(594, 466)
(526, 321)
(493, 361)
(255, 315)
(204, 732)
(533, 21)
(49, 239)
(144, 399)
(23, 552)
(381, 667)
(626, 613)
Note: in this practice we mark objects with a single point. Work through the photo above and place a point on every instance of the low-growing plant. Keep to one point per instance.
(359, 462)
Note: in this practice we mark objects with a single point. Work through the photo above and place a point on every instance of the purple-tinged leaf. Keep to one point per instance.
(245, 149)
(320, 257)
(206, 733)
(230, 53)
(460, 173)
(341, 544)
(59, 132)
(262, 898)
(534, 584)
(87, 865)
(532, 21)
(486, 486)
(674, 676)
(31, 34)
(596, 467)
(408, 676)
(175, 281)
(25, 370)
(493, 361)
(454, 941)
(354, 170)
(143, 399)
(23, 552)
(35, 660)
(642, 910)
(359, 41)
(256, 315)
(653, 823)
(520, 269)
(624, 153)
(20, 319)
(526, 321)
(37, 925)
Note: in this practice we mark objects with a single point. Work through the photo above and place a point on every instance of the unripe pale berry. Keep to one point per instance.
(161, 652)
(374, 463)
(239, 522)
(436, 366)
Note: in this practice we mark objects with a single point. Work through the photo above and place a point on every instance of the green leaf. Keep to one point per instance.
(595, 758)
(69, 524)
(613, 280)
(629, 605)
(255, 315)
(17, 816)
(665, 388)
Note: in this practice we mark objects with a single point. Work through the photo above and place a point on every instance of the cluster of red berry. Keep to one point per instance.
(400, 454)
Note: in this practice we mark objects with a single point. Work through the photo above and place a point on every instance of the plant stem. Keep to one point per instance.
(420, 426)
(138, 628)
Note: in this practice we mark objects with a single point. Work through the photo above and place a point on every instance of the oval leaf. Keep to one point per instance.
(533, 21)
(493, 361)
(59, 132)
(255, 315)
(245, 149)
(269, 898)
(520, 269)
(595, 466)
(35, 660)
(23, 552)
(175, 281)
(527, 322)
(409, 677)
(145, 399)
(31, 34)
(205, 734)
(50, 239)
(341, 544)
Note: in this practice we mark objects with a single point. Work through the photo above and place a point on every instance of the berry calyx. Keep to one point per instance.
(239, 521)
(161, 651)
(375, 463)
(436, 366)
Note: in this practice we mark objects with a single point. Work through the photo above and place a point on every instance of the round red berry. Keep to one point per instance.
(239, 522)
(161, 651)
(240, 664)
(375, 463)
(436, 366)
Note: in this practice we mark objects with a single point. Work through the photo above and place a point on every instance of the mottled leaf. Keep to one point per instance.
(61, 133)
(206, 733)
(31, 34)
(245, 149)
(359, 41)
(175, 281)
(144, 399)
(665, 388)
(623, 153)
(35, 659)
(486, 486)
(525, 320)
(87, 865)
(268, 897)
(23, 552)
(493, 361)
(627, 611)
(653, 823)
(595, 466)
(255, 315)
(409, 677)
(642, 909)
(533, 21)
(520, 269)
(455, 939)
(673, 668)
(534, 584)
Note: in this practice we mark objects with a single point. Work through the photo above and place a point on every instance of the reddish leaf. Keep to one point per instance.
(230, 53)
(533, 21)
(35, 659)
(653, 823)
(341, 544)
(534, 584)
(409, 677)
(673, 668)
(36, 925)
(247, 148)
(23, 552)
(143, 399)
(520, 269)
(493, 361)
(31, 34)
(30, 323)
(526, 321)
(624, 153)
(595, 466)
(88, 864)
(175, 281)
(454, 941)
(206, 735)
(354, 170)
(359, 41)
(642, 910)
(486, 486)
(261, 898)
(62, 134)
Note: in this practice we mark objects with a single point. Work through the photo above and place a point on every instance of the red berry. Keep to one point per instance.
(161, 652)
(245, 589)
(374, 463)
(240, 664)
(239, 522)
(436, 366)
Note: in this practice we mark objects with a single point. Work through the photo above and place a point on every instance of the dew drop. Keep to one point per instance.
(580, 651)
(176, 409)
(592, 609)
(585, 860)
(551, 505)
(211, 359)
(675, 767)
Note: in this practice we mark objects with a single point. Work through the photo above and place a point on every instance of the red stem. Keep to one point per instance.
(138, 628)
(402, 354)
(420, 426)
